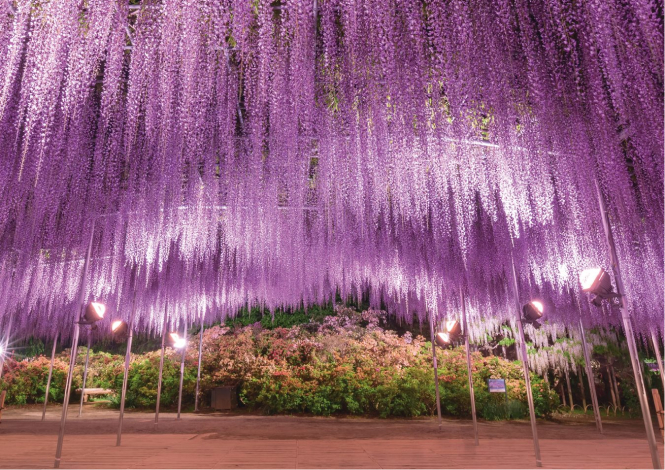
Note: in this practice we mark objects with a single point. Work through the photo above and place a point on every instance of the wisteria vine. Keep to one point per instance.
(242, 152)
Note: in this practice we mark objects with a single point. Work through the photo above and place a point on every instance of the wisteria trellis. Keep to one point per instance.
(274, 152)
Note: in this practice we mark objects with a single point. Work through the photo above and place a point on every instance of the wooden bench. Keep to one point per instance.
(94, 391)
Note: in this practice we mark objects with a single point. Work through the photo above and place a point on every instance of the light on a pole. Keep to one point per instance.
(533, 311)
(119, 328)
(597, 282)
(452, 331)
(93, 312)
(174, 340)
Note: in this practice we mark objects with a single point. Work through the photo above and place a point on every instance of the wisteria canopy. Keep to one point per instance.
(277, 153)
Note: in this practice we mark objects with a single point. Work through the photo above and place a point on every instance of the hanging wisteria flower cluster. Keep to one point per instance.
(231, 152)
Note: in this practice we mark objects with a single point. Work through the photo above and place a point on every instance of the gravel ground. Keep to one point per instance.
(238, 425)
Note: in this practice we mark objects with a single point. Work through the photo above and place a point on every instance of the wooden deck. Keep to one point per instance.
(205, 451)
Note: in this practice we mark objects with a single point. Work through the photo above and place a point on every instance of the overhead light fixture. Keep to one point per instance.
(119, 328)
(93, 312)
(596, 281)
(533, 311)
(174, 340)
(452, 331)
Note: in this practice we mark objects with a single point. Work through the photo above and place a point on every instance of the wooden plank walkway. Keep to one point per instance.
(209, 451)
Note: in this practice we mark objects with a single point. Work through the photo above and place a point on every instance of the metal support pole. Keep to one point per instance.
(50, 375)
(198, 374)
(75, 339)
(126, 374)
(525, 364)
(161, 369)
(592, 384)
(468, 368)
(85, 374)
(182, 369)
(628, 329)
(436, 372)
(659, 359)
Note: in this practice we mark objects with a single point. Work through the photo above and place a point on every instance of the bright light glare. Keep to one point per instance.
(537, 305)
(450, 325)
(2, 349)
(177, 341)
(588, 278)
(115, 325)
(100, 309)
(445, 337)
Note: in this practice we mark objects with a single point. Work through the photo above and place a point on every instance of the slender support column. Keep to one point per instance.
(628, 329)
(592, 383)
(75, 339)
(436, 371)
(525, 364)
(469, 371)
(570, 391)
(182, 369)
(85, 374)
(198, 374)
(126, 374)
(161, 369)
(659, 359)
(50, 375)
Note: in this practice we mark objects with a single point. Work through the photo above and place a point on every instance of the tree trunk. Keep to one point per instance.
(581, 381)
(561, 392)
(570, 390)
(609, 378)
(616, 385)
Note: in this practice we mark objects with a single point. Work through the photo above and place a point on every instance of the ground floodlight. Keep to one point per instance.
(533, 311)
(94, 312)
(175, 341)
(596, 281)
(452, 331)
(119, 328)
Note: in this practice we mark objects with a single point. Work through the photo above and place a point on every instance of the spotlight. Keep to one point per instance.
(119, 328)
(175, 341)
(94, 312)
(533, 311)
(596, 281)
(453, 330)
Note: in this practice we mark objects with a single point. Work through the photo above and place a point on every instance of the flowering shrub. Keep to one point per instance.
(345, 364)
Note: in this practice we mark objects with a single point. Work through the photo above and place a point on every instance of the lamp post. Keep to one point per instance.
(198, 374)
(468, 368)
(628, 329)
(126, 373)
(525, 364)
(161, 367)
(4, 345)
(182, 367)
(75, 338)
(436, 373)
(50, 375)
(592, 384)
(85, 374)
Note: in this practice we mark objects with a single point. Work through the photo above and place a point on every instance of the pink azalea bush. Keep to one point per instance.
(346, 364)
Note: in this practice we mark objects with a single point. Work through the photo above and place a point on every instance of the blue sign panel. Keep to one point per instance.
(496, 385)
